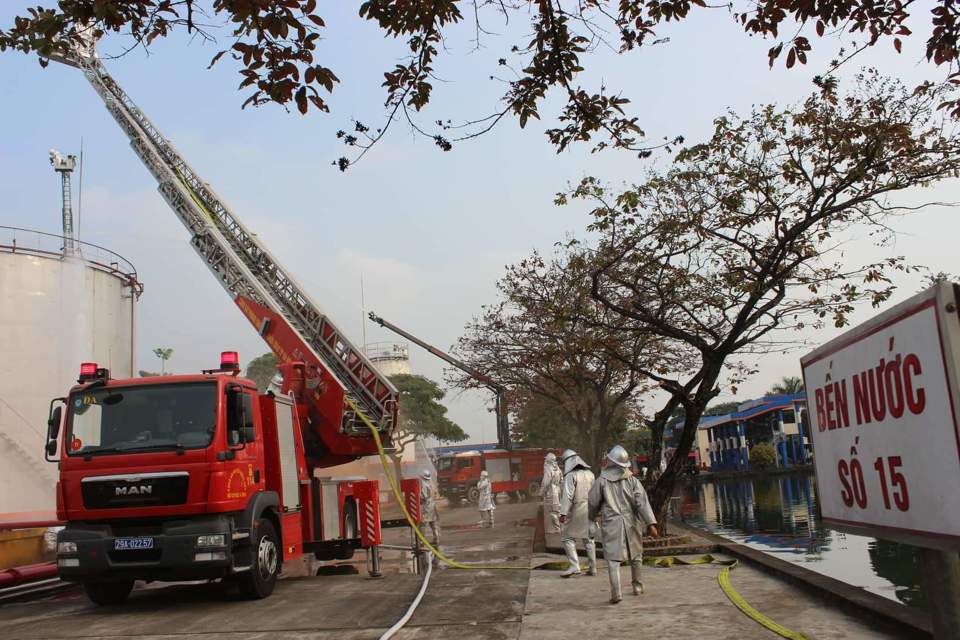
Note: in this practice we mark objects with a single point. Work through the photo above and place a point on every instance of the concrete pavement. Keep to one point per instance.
(681, 602)
(465, 604)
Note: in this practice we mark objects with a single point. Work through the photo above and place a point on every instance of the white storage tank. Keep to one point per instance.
(55, 312)
(390, 358)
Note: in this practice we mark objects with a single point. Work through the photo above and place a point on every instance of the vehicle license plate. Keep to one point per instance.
(133, 543)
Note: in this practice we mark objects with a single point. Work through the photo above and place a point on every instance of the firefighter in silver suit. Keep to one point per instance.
(577, 480)
(429, 517)
(619, 500)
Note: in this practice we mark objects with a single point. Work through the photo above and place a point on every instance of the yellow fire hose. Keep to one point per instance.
(398, 496)
(723, 578)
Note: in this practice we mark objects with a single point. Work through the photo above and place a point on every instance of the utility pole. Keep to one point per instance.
(64, 165)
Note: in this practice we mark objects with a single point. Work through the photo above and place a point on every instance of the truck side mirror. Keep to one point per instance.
(53, 423)
(53, 429)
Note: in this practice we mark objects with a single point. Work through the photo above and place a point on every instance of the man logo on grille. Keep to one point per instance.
(134, 490)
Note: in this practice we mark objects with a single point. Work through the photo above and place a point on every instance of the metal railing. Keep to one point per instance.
(51, 245)
(387, 351)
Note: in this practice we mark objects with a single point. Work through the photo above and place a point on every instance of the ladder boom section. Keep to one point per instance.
(244, 267)
(446, 357)
(499, 391)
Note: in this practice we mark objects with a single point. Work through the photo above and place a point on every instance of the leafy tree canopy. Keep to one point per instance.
(421, 414)
(722, 408)
(541, 422)
(546, 337)
(736, 245)
(788, 384)
(261, 370)
(277, 45)
(638, 441)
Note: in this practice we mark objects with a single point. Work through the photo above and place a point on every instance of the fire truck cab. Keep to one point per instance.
(192, 477)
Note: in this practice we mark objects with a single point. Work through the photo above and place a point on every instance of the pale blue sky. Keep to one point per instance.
(429, 231)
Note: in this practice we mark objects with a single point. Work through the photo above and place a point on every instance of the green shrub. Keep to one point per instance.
(762, 455)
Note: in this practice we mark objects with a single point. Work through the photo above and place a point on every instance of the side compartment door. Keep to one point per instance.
(287, 449)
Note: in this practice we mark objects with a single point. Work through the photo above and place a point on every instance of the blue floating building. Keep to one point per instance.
(725, 441)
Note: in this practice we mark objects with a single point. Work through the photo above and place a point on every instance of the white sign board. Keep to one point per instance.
(882, 405)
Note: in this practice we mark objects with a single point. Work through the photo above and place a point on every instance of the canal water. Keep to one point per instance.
(779, 515)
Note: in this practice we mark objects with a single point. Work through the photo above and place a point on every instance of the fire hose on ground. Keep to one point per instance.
(723, 578)
(399, 624)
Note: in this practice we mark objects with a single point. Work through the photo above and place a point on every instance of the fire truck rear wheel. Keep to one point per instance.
(350, 531)
(533, 490)
(107, 593)
(473, 494)
(259, 581)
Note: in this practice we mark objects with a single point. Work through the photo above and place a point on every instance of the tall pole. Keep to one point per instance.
(64, 165)
(363, 316)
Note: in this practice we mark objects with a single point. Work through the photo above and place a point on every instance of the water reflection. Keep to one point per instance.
(779, 515)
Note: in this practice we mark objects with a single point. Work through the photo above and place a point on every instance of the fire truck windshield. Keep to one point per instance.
(142, 418)
(444, 464)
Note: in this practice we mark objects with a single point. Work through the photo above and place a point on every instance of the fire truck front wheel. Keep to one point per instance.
(259, 581)
(107, 593)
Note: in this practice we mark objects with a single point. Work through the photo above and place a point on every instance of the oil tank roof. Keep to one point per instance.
(18, 240)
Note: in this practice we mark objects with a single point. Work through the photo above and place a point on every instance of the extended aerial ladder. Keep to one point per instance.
(340, 379)
(499, 391)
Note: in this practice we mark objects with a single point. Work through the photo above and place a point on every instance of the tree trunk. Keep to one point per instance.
(396, 460)
(663, 490)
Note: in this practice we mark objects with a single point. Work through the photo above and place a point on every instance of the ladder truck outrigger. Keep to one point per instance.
(201, 476)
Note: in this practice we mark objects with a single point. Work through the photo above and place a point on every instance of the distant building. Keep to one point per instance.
(724, 442)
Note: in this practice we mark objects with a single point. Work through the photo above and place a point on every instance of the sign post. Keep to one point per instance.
(884, 401)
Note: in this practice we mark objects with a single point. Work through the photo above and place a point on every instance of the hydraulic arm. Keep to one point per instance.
(339, 379)
(499, 391)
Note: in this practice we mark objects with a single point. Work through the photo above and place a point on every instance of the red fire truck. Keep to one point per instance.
(518, 471)
(200, 476)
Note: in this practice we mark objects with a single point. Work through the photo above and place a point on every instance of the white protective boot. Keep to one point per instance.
(570, 547)
(635, 565)
(613, 568)
(591, 546)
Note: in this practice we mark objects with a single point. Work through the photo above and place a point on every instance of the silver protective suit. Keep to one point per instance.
(486, 503)
(429, 516)
(550, 491)
(620, 501)
(578, 526)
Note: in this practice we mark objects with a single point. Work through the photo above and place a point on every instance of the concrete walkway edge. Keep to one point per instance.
(839, 594)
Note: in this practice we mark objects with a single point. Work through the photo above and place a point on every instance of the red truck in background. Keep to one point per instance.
(518, 471)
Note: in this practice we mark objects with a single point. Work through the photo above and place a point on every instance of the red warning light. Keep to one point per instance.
(88, 371)
(229, 360)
